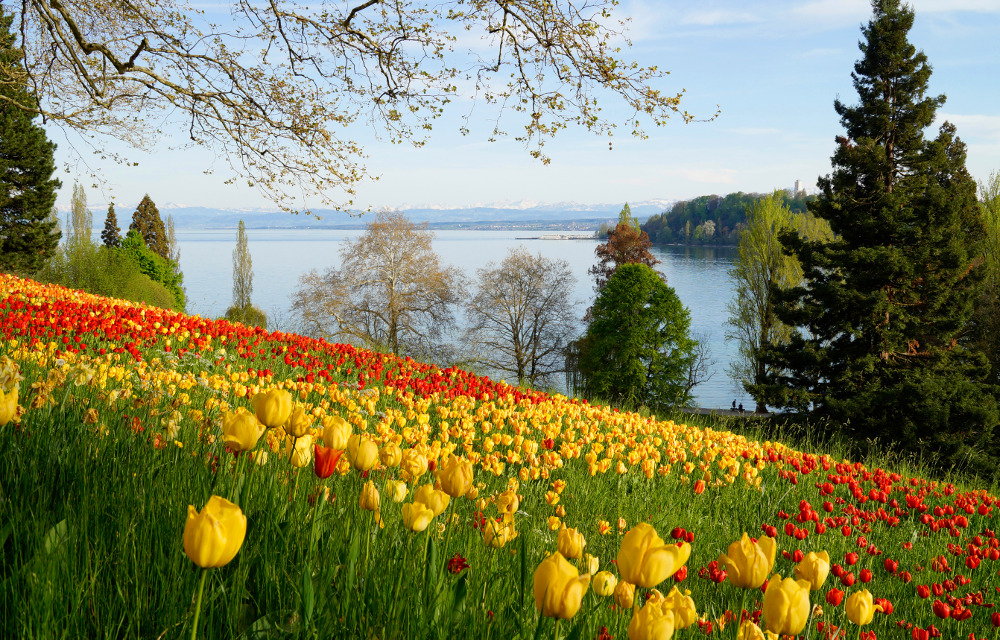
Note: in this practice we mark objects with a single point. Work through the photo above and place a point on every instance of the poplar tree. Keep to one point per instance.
(146, 220)
(111, 236)
(880, 347)
(81, 219)
(28, 236)
(242, 271)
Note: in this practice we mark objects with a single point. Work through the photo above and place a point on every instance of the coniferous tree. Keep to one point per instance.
(147, 221)
(880, 347)
(111, 236)
(28, 236)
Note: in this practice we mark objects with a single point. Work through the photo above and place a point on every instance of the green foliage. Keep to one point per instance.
(146, 220)
(27, 188)
(156, 267)
(111, 236)
(761, 265)
(103, 271)
(686, 220)
(637, 350)
(884, 307)
(249, 315)
(985, 331)
(242, 271)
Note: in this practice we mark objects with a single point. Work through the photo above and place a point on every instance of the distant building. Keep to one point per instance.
(799, 188)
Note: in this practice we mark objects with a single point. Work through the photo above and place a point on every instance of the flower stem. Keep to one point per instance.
(197, 607)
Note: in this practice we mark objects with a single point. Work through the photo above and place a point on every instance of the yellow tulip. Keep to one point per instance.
(749, 631)
(390, 455)
(455, 476)
(814, 569)
(362, 453)
(299, 451)
(860, 607)
(644, 560)
(416, 516)
(624, 595)
(8, 404)
(336, 432)
(369, 498)
(604, 583)
(414, 464)
(398, 489)
(213, 536)
(497, 534)
(591, 563)
(507, 502)
(685, 613)
(558, 588)
(298, 422)
(654, 621)
(786, 605)
(570, 543)
(747, 562)
(436, 501)
(241, 430)
(273, 407)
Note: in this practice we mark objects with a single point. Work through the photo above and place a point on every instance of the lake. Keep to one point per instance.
(699, 275)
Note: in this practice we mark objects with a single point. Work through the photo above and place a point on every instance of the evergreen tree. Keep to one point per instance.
(28, 236)
(627, 244)
(880, 347)
(112, 235)
(637, 349)
(146, 220)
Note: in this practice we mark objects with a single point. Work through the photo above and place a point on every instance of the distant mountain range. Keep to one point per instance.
(523, 214)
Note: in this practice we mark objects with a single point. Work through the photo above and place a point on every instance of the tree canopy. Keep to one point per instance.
(28, 235)
(275, 87)
(637, 350)
(882, 314)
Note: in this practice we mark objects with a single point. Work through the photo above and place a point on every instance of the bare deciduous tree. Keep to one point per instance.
(522, 315)
(390, 292)
(276, 86)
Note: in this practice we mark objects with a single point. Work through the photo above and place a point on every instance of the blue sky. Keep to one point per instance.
(774, 69)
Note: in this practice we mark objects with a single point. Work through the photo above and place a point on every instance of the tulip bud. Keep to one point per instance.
(558, 588)
(749, 631)
(591, 563)
(390, 455)
(748, 563)
(786, 605)
(413, 464)
(653, 621)
(436, 501)
(299, 451)
(455, 476)
(241, 430)
(398, 489)
(814, 569)
(298, 422)
(860, 607)
(214, 535)
(497, 534)
(604, 583)
(645, 560)
(336, 432)
(362, 453)
(416, 516)
(369, 499)
(570, 543)
(273, 407)
(507, 502)
(624, 594)
(8, 404)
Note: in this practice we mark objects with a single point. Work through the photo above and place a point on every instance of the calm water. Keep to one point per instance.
(280, 256)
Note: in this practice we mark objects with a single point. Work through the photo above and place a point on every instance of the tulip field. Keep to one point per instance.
(171, 476)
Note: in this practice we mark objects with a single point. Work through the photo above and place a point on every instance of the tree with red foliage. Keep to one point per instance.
(626, 244)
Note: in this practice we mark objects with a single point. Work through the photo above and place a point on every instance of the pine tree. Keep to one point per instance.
(112, 235)
(146, 220)
(28, 236)
(880, 347)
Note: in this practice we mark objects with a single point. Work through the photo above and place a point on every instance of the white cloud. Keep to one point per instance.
(973, 127)
(719, 17)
